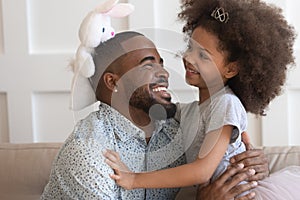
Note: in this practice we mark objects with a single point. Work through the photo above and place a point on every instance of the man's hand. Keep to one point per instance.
(226, 187)
(253, 159)
(255, 167)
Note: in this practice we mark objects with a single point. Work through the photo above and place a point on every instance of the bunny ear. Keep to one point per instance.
(106, 6)
(82, 93)
(121, 10)
(84, 61)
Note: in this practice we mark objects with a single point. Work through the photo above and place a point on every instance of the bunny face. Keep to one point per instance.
(94, 29)
(107, 31)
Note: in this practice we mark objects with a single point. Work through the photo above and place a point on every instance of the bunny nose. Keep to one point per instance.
(112, 33)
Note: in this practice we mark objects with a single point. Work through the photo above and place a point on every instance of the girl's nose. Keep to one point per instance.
(188, 58)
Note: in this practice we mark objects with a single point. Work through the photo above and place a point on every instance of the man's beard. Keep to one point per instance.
(141, 99)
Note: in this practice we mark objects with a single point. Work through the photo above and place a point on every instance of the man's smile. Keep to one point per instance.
(161, 90)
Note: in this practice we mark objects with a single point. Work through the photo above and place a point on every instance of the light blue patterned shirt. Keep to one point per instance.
(79, 170)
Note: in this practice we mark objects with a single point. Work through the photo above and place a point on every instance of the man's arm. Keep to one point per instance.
(253, 159)
(226, 187)
(84, 173)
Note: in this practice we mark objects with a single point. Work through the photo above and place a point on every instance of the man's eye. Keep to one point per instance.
(148, 66)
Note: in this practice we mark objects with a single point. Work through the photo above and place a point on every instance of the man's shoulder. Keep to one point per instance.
(92, 126)
(89, 120)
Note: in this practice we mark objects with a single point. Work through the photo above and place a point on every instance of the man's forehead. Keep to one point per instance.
(137, 43)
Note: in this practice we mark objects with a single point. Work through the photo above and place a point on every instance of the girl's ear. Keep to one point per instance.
(232, 69)
(110, 80)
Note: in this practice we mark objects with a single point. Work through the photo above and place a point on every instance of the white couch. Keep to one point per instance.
(25, 168)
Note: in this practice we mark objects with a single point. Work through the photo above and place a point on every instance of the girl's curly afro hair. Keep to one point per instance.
(256, 36)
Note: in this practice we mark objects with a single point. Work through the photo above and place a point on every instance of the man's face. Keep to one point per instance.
(145, 80)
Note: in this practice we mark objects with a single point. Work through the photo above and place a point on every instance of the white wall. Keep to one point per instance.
(38, 38)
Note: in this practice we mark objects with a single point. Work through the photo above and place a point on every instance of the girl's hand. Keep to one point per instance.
(123, 176)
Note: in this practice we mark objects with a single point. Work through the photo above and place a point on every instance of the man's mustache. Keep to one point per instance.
(159, 81)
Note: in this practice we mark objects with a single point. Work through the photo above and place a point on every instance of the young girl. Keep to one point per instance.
(237, 56)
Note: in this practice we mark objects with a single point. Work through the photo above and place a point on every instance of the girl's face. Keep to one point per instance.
(203, 61)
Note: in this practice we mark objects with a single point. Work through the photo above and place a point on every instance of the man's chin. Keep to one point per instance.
(162, 111)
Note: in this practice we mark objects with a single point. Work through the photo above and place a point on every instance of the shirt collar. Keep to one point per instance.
(124, 129)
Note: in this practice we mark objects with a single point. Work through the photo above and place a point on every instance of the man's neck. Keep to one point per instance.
(142, 120)
(138, 117)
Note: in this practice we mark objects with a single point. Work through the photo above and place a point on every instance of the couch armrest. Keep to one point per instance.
(282, 156)
(25, 169)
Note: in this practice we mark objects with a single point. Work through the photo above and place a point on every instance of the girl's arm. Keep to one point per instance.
(197, 172)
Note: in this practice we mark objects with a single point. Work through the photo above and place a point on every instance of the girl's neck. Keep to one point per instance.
(206, 93)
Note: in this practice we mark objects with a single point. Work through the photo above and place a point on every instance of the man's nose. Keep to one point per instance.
(162, 72)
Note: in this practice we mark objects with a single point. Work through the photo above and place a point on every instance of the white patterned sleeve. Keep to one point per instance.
(83, 172)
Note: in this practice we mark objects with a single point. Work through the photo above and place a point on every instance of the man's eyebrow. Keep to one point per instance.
(151, 58)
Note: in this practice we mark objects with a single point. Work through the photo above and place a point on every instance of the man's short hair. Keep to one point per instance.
(107, 52)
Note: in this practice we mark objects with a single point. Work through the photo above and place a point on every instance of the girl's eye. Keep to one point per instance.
(203, 56)
(103, 30)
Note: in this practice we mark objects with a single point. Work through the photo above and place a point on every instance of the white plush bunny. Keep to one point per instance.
(94, 29)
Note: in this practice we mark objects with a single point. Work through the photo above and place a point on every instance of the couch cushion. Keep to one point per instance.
(25, 168)
(282, 156)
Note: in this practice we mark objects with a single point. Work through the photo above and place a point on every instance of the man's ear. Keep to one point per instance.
(110, 80)
(232, 69)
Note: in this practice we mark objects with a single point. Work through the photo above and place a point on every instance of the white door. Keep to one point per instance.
(39, 37)
(37, 40)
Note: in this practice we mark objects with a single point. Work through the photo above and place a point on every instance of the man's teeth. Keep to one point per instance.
(158, 89)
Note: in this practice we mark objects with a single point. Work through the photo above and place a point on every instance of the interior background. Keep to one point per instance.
(39, 37)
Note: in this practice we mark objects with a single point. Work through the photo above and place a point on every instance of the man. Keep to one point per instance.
(134, 119)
